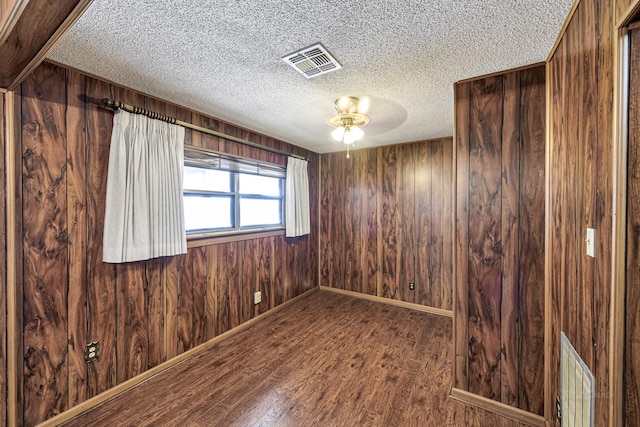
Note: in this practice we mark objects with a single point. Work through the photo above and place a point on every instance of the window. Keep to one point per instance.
(226, 195)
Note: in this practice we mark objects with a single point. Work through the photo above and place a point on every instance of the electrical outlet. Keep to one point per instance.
(257, 297)
(91, 352)
(412, 286)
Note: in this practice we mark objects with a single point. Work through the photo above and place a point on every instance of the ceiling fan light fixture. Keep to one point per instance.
(348, 121)
(347, 135)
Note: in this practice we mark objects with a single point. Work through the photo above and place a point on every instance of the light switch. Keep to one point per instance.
(591, 242)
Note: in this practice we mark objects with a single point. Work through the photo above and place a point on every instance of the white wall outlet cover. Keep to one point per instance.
(257, 297)
(591, 242)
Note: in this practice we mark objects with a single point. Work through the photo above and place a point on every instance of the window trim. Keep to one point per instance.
(228, 238)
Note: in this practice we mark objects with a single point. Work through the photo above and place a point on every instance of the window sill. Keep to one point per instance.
(194, 242)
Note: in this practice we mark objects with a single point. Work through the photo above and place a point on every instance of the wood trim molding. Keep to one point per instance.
(548, 303)
(498, 408)
(121, 388)
(498, 73)
(454, 258)
(319, 221)
(14, 332)
(216, 240)
(403, 304)
(629, 14)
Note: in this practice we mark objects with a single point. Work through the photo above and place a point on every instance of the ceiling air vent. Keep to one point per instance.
(312, 61)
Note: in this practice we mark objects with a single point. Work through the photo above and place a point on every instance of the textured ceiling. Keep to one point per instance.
(223, 58)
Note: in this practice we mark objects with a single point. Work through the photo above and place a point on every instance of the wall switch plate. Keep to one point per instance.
(257, 297)
(591, 242)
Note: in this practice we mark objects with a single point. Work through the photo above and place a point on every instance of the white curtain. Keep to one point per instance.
(144, 215)
(297, 198)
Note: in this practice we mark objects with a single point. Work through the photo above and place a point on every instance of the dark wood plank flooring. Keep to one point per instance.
(326, 360)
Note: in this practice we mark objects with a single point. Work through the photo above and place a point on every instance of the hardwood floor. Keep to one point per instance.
(327, 360)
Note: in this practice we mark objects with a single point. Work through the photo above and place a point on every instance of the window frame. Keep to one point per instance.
(236, 232)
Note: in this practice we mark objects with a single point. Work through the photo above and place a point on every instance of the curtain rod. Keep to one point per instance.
(137, 110)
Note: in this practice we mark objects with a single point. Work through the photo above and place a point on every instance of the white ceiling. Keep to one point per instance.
(223, 58)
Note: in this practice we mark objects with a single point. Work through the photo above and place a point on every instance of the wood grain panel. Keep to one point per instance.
(569, 212)
(406, 228)
(264, 275)
(198, 264)
(632, 324)
(510, 189)
(326, 214)
(423, 175)
(373, 268)
(349, 198)
(250, 265)
(531, 235)
(461, 303)
(337, 168)
(485, 246)
(222, 280)
(3, 269)
(604, 40)
(279, 269)
(77, 223)
(587, 137)
(172, 298)
(131, 325)
(234, 282)
(45, 240)
(155, 278)
(390, 250)
(310, 276)
(436, 226)
(499, 305)
(447, 220)
(184, 316)
(101, 277)
(353, 224)
(294, 266)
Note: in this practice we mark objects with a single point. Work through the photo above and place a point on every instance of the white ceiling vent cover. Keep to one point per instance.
(312, 61)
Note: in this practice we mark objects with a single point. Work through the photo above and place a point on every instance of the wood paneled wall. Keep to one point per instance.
(386, 219)
(3, 271)
(580, 194)
(499, 307)
(141, 313)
